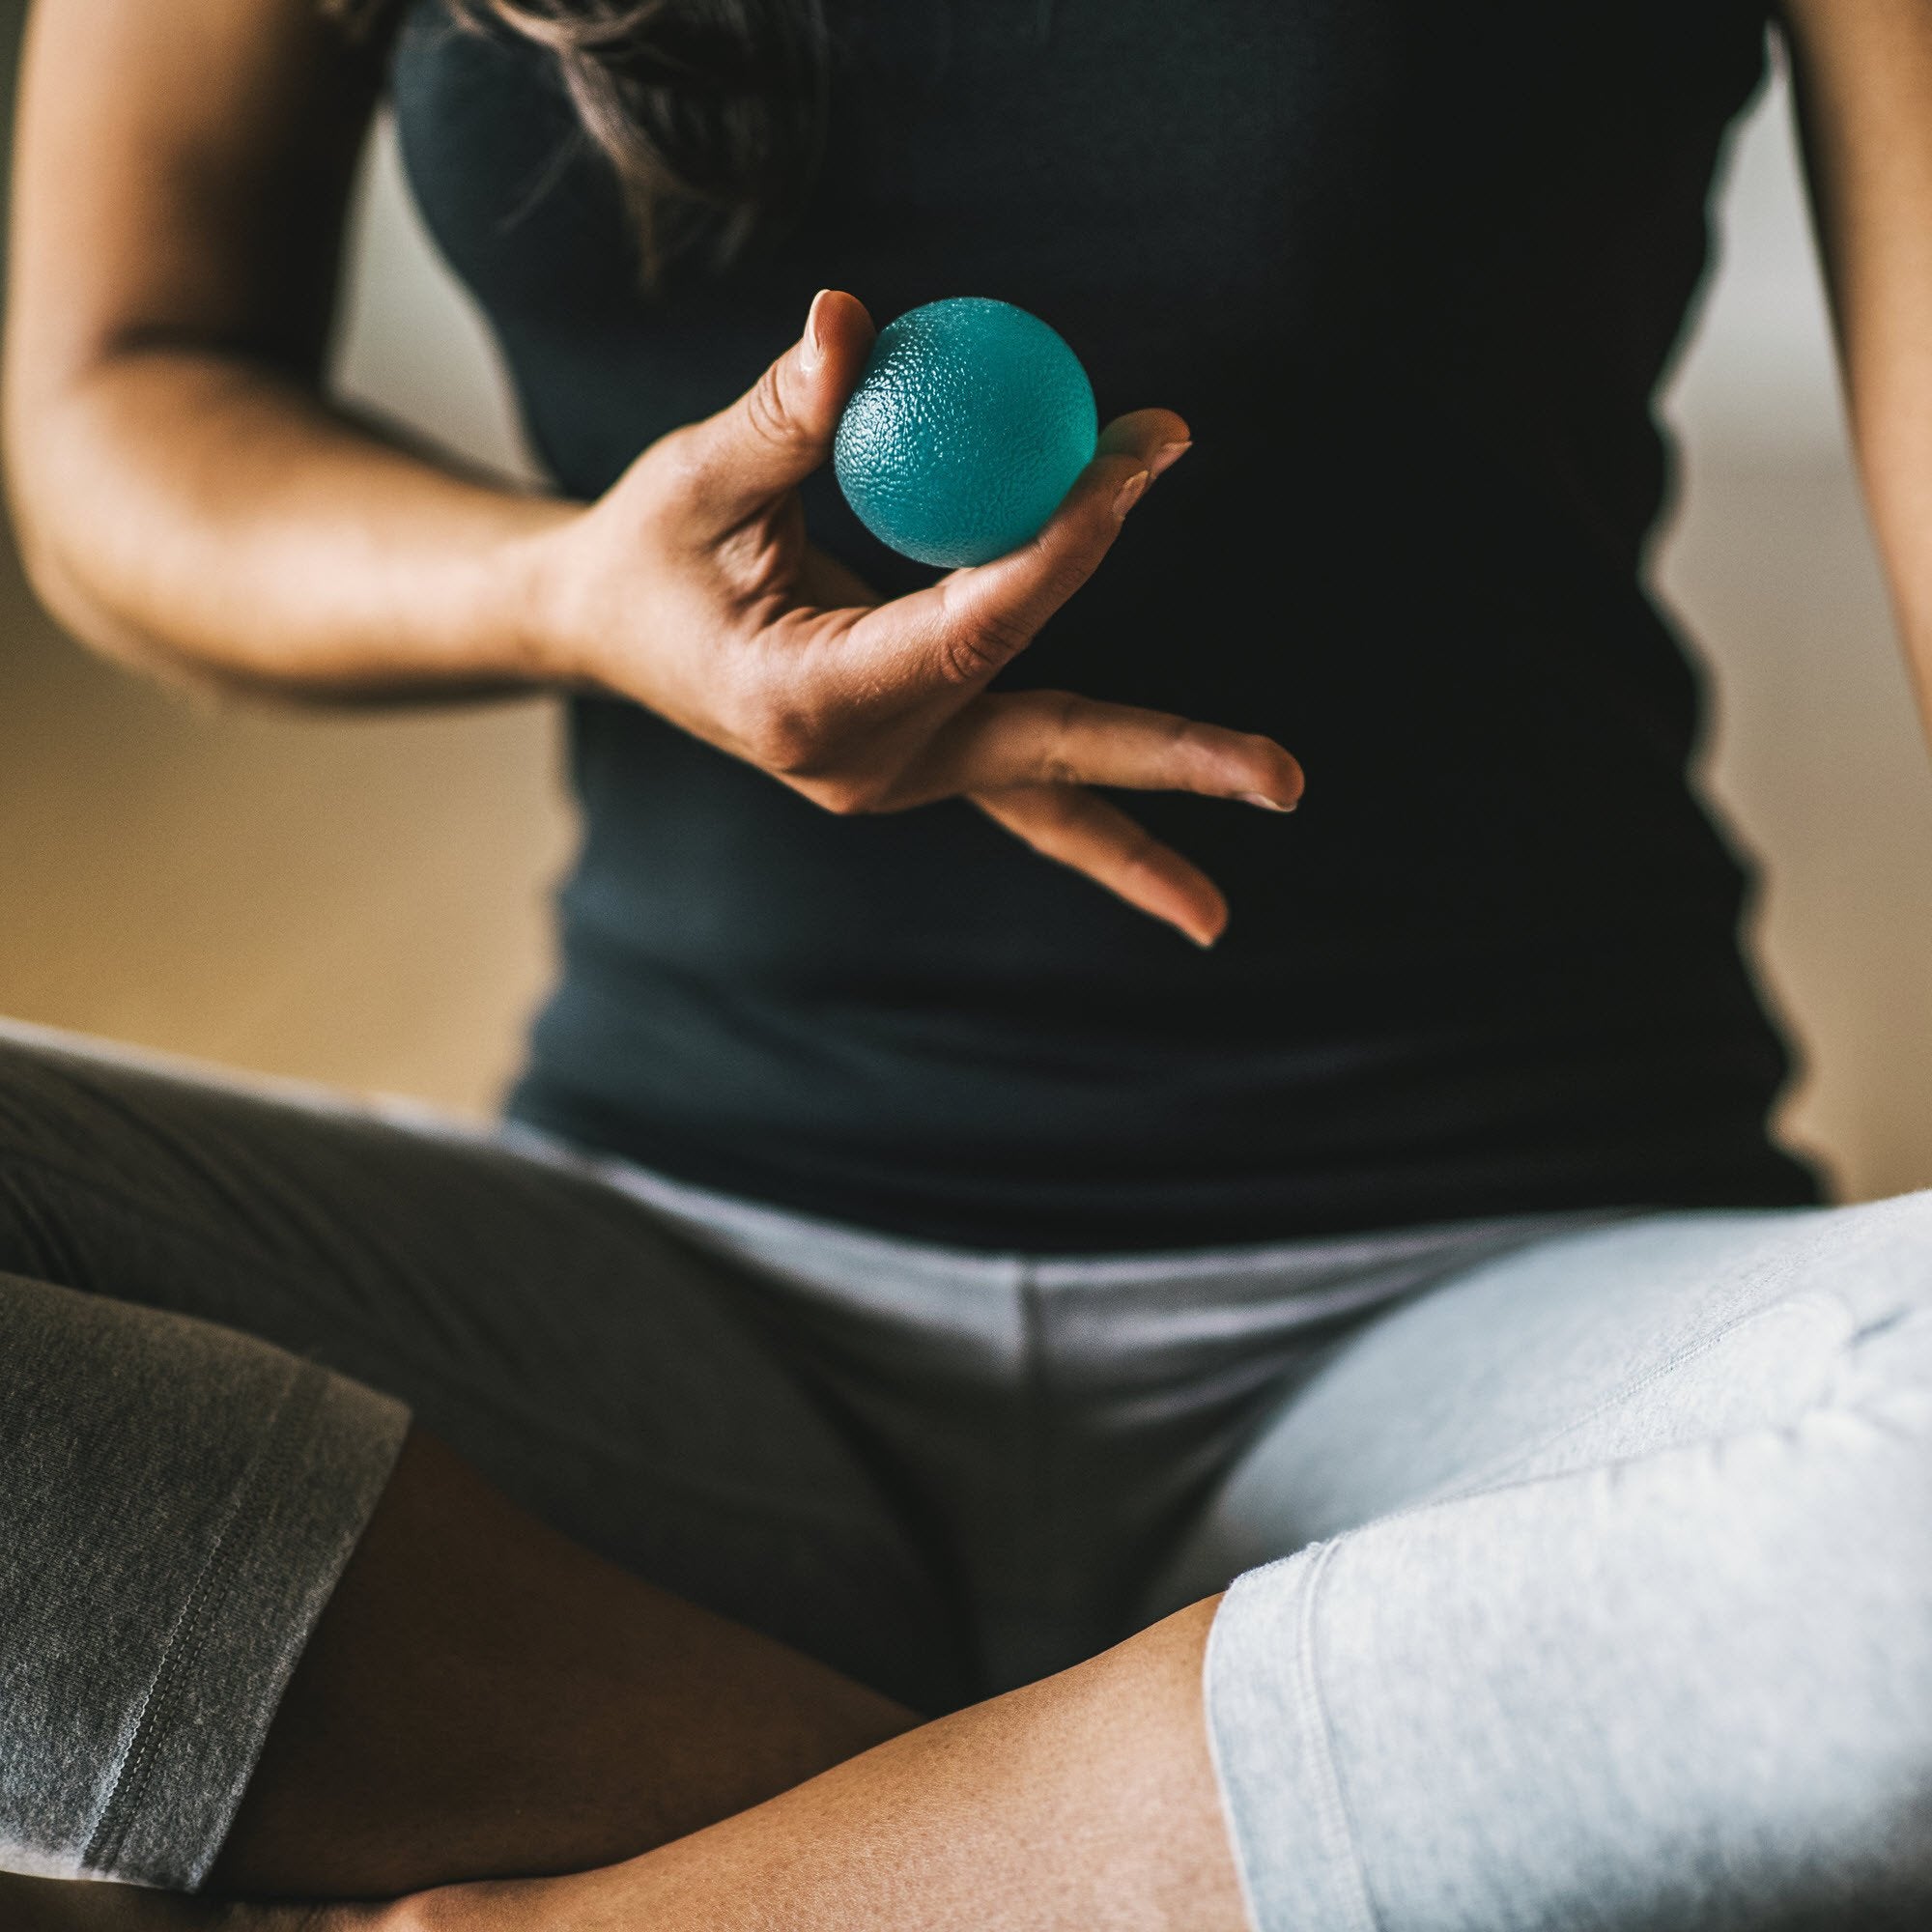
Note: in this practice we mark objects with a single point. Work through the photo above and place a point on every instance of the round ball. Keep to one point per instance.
(968, 427)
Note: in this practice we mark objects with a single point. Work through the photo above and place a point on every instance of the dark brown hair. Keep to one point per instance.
(711, 113)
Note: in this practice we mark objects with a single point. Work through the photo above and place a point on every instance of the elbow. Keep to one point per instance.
(64, 595)
(54, 560)
(59, 590)
(32, 500)
(62, 592)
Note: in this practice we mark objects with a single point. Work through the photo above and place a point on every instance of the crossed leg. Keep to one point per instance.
(601, 1600)
(1614, 1615)
(1606, 1608)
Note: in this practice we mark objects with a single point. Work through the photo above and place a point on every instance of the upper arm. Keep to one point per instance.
(1862, 70)
(180, 175)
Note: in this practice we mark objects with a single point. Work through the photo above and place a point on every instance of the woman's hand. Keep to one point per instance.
(690, 587)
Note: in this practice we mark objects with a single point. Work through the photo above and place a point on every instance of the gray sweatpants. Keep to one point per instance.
(1606, 1596)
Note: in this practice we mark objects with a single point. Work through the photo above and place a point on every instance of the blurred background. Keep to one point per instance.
(363, 901)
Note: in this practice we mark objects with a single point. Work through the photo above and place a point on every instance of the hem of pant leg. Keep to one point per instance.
(296, 1514)
(1217, 1756)
(1269, 1741)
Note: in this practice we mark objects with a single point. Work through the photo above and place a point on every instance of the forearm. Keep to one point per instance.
(199, 512)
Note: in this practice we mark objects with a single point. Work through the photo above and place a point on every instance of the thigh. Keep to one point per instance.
(598, 1369)
(1618, 1620)
(221, 1586)
(1581, 1350)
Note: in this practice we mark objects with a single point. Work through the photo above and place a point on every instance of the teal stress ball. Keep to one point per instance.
(969, 425)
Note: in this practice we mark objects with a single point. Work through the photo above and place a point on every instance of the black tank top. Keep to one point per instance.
(1412, 272)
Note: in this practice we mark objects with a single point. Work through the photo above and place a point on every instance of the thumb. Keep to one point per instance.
(780, 429)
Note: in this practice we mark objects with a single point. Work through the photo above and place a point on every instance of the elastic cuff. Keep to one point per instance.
(293, 1522)
(1269, 1737)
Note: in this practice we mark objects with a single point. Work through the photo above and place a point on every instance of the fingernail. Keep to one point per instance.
(1130, 492)
(1167, 455)
(813, 352)
(1266, 804)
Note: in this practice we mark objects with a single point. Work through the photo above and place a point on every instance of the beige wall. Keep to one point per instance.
(354, 899)
(362, 901)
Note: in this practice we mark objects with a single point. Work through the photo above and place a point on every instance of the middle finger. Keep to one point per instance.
(1054, 737)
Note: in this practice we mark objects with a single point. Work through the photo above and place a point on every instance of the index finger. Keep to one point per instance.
(976, 621)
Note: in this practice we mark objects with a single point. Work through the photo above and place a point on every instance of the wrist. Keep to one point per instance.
(522, 593)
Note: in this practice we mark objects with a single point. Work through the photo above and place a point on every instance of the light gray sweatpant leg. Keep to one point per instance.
(1611, 1606)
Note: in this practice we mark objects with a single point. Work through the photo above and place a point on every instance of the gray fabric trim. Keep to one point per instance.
(1267, 1735)
(293, 1524)
(180, 1502)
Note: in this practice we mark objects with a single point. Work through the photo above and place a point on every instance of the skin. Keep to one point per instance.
(483, 1696)
(188, 501)
(1863, 82)
(1084, 1802)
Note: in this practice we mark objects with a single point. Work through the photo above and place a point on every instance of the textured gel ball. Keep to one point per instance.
(968, 427)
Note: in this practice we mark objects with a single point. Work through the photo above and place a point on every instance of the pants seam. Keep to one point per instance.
(189, 1636)
(1336, 1822)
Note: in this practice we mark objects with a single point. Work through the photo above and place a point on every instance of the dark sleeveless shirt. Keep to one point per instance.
(1412, 272)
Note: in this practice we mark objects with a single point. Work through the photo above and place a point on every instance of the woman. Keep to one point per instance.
(912, 1280)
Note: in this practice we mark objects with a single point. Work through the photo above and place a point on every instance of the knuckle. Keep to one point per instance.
(765, 412)
(775, 728)
(1058, 764)
(1068, 570)
(1140, 850)
(785, 741)
(803, 746)
(1200, 755)
(1062, 561)
(848, 795)
(971, 652)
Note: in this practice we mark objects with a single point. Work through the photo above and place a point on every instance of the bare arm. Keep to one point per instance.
(186, 498)
(1864, 71)
(184, 494)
